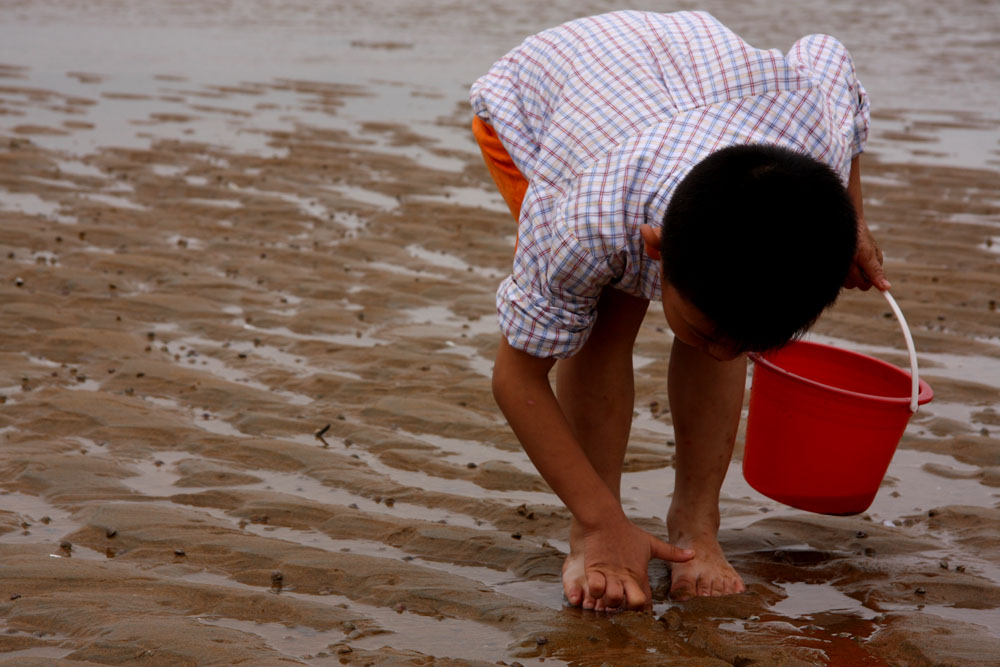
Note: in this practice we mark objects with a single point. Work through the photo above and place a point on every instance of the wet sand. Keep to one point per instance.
(245, 412)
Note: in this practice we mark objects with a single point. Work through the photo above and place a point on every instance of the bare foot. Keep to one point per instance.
(708, 573)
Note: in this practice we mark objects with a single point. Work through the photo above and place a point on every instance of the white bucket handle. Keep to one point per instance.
(914, 374)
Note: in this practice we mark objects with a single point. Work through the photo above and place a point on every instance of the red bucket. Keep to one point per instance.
(823, 424)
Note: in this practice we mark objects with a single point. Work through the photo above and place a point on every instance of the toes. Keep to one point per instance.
(703, 587)
(589, 602)
(635, 596)
(682, 589)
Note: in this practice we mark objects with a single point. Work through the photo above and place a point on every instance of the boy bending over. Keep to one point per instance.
(660, 157)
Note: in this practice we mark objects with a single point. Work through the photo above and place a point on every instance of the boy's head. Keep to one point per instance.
(759, 239)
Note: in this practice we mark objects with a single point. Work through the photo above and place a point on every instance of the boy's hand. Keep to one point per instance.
(616, 556)
(867, 267)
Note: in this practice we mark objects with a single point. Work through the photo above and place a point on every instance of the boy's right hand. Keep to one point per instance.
(616, 557)
(616, 552)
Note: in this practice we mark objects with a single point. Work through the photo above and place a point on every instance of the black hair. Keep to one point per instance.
(760, 239)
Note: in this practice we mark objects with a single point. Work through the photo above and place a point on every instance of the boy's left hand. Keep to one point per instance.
(867, 267)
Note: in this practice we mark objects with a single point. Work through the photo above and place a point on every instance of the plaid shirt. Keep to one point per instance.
(606, 115)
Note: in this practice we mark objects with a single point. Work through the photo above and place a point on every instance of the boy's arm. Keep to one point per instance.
(616, 551)
(867, 268)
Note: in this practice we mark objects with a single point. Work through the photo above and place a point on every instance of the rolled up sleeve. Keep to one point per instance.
(548, 306)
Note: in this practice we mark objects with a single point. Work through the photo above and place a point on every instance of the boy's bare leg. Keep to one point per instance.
(705, 400)
(596, 392)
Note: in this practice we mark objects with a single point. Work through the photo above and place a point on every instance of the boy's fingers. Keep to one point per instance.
(856, 278)
(614, 593)
(669, 552)
(635, 597)
(596, 583)
(877, 276)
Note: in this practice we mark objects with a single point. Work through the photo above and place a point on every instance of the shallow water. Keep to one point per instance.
(932, 59)
(444, 637)
(116, 77)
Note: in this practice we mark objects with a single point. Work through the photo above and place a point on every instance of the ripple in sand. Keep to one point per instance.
(441, 636)
(182, 349)
(46, 524)
(48, 645)
(160, 480)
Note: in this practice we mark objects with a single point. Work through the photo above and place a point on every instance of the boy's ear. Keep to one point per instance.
(651, 240)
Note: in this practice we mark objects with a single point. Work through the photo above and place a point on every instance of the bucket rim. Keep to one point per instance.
(925, 395)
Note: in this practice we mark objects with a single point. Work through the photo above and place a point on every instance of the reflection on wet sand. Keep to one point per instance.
(209, 260)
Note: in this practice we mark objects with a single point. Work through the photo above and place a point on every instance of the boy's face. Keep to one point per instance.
(691, 326)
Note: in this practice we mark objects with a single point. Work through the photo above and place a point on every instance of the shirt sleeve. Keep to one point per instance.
(827, 62)
(548, 305)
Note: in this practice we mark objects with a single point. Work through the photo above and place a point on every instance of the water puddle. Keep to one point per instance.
(351, 221)
(472, 197)
(914, 484)
(443, 315)
(458, 487)
(475, 361)
(364, 196)
(38, 652)
(457, 327)
(987, 619)
(308, 207)
(31, 204)
(186, 348)
(812, 600)
(54, 649)
(361, 338)
(445, 260)
(442, 637)
(385, 267)
(962, 368)
(168, 170)
(977, 369)
(297, 641)
(113, 201)
(217, 203)
(158, 477)
(43, 523)
(80, 168)
(468, 451)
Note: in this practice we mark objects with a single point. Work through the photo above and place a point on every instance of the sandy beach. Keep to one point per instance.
(247, 325)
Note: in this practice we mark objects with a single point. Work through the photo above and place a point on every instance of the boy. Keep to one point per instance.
(658, 156)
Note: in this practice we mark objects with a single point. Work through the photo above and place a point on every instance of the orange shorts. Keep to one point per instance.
(510, 182)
